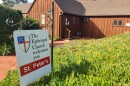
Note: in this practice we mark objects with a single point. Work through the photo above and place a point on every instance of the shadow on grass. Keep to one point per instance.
(65, 71)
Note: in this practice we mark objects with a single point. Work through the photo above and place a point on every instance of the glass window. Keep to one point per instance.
(120, 23)
(117, 23)
(85, 19)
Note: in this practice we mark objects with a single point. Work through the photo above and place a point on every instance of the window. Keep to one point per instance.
(85, 19)
(67, 22)
(120, 22)
(117, 23)
(43, 19)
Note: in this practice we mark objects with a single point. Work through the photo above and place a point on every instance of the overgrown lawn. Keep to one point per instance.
(102, 62)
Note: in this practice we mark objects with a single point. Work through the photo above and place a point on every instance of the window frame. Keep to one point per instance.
(121, 22)
(117, 23)
(85, 19)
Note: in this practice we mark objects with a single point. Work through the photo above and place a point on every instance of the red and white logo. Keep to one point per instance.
(24, 43)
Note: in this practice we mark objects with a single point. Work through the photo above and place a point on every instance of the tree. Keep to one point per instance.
(10, 3)
(6, 31)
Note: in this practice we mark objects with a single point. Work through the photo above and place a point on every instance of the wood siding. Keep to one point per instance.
(41, 7)
(98, 27)
(74, 25)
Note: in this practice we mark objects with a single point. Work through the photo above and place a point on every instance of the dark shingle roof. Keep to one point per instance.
(24, 8)
(95, 7)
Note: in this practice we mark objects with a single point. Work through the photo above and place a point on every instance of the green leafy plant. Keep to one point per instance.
(103, 62)
(12, 78)
(29, 24)
(6, 31)
(5, 49)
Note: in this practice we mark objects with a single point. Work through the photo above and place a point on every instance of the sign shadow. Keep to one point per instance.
(65, 71)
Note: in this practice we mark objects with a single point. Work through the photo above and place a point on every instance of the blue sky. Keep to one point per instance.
(28, 1)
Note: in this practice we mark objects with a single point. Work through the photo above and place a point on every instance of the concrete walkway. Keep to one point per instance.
(9, 62)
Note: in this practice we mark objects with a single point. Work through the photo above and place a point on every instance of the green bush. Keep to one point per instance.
(5, 49)
(103, 62)
(6, 31)
(29, 24)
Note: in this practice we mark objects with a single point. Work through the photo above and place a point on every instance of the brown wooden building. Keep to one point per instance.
(92, 18)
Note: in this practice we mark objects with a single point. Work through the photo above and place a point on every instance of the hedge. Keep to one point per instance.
(5, 30)
(30, 24)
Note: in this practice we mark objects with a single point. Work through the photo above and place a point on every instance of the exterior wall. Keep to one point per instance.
(99, 27)
(41, 7)
(96, 27)
(25, 15)
(70, 22)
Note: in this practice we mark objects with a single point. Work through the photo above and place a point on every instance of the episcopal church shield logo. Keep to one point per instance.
(24, 43)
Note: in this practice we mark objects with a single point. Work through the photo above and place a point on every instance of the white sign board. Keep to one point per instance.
(43, 19)
(127, 24)
(33, 54)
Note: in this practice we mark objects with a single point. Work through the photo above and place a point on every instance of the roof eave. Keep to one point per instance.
(106, 15)
(35, 1)
(31, 6)
(95, 15)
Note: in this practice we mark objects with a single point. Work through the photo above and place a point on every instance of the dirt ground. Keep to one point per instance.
(7, 63)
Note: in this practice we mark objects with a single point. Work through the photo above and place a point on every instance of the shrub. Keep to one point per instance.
(29, 24)
(104, 62)
(6, 31)
(5, 49)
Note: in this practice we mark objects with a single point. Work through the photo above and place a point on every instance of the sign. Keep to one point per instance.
(43, 19)
(33, 54)
(127, 24)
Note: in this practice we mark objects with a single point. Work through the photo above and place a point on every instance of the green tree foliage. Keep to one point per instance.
(10, 3)
(6, 31)
(29, 24)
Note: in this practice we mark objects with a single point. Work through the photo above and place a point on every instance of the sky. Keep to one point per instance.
(28, 1)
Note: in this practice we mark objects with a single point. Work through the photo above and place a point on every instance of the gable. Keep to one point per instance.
(24, 8)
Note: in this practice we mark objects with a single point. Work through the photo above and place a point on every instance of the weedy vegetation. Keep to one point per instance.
(102, 62)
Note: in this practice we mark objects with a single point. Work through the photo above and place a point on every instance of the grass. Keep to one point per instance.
(103, 62)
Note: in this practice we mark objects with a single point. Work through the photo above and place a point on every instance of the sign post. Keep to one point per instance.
(32, 51)
(33, 54)
(52, 28)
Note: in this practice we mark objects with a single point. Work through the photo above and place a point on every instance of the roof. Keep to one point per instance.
(24, 8)
(95, 7)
